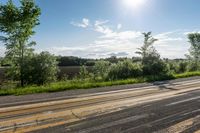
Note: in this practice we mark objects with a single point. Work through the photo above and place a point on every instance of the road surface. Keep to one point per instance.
(162, 108)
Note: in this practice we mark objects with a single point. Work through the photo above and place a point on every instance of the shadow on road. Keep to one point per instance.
(162, 117)
(163, 86)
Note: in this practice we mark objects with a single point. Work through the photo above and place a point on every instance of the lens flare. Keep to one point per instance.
(134, 4)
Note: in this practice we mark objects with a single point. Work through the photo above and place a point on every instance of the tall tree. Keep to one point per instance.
(151, 62)
(17, 24)
(147, 46)
(194, 39)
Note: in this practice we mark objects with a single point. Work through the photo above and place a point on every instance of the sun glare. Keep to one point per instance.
(134, 4)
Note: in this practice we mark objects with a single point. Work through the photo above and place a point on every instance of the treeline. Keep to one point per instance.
(77, 61)
(74, 61)
(65, 61)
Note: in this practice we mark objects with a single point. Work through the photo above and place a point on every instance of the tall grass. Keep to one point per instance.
(187, 74)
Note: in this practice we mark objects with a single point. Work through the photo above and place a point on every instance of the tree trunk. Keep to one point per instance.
(22, 65)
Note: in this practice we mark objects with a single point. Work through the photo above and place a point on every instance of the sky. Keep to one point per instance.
(104, 28)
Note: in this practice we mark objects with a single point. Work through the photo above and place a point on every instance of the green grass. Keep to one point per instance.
(187, 74)
(71, 85)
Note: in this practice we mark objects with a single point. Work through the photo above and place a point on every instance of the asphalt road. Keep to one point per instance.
(170, 108)
(179, 114)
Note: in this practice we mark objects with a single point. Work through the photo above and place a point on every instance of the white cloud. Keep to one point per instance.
(100, 27)
(96, 51)
(84, 24)
(124, 35)
(111, 41)
(167, 37)
(172, 44)
(100, 22)
(86, 21)
(108, 33)
(119, 54)
(189, 32)
(119, 26)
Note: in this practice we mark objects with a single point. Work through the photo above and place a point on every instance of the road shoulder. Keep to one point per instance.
(6, 101)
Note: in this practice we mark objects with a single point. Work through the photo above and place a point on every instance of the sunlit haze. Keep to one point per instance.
(134, 4)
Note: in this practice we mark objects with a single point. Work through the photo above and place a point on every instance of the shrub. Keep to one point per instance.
(153, 65)
(193, 66)
(123, 70)
(101, 69)
(182, 67)
(172, 66)
(41, 69)
(83, 74)
(178, 66)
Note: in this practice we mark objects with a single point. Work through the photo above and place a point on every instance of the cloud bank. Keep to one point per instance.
(112, 40)
(123, 43)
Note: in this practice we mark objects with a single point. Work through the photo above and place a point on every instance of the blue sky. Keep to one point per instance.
(101, 28)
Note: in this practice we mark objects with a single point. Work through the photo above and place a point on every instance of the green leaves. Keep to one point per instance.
(101, 69)
(123, 70)
(40, 68)
(8, 17)
(147, 48)
(17, 24)
(194, 39)
(151, 62)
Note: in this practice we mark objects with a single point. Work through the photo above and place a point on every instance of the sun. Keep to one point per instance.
(134, 4)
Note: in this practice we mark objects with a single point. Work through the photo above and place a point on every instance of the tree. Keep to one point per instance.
(147, 47)
(194, 39)
(17, 24)
(112, 59)
(151, 62)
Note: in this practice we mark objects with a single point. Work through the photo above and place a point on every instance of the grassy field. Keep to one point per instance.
(74, 84)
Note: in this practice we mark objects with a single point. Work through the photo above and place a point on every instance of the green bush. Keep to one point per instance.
(182, 67)
(41, 69)
(172, 66)
(100, 70)
(153, 65)
(83, 74)
(193, 66)
(123, 70)
(179, 66)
